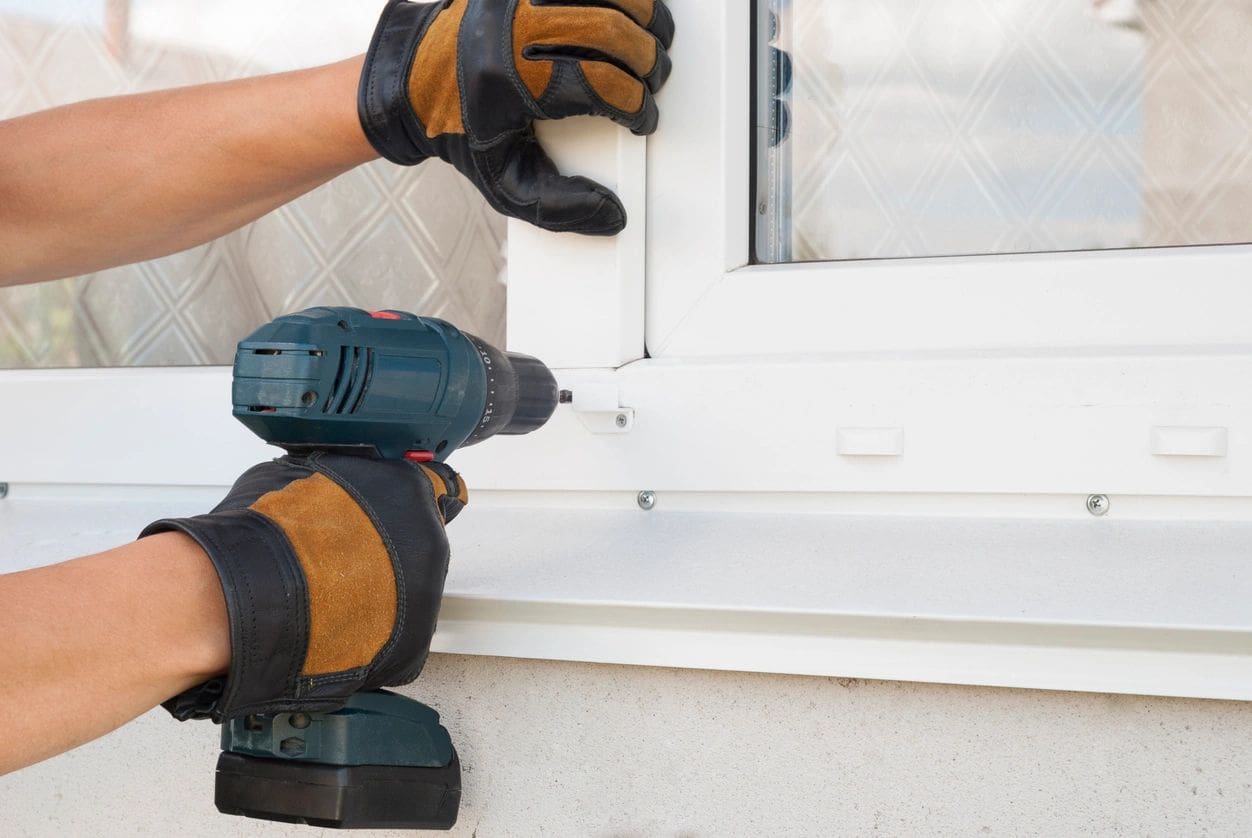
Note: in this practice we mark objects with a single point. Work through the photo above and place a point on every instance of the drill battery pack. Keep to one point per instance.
(339, 796)
(383, 761)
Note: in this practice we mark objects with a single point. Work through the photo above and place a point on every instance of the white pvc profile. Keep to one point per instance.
(956, 424)
(703, 300)
(578, 301)
(1080, 604)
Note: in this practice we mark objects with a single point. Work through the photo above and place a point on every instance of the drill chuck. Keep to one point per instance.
(522, 391)
(537, 395)
(387, 383)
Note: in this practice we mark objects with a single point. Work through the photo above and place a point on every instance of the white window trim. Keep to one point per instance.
(704, 301)
(577, 301)
(755, 597)
(787, 422)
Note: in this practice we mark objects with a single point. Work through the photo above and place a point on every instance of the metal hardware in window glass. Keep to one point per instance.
(949, 127)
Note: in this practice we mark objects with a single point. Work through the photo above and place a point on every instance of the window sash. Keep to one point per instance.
(704, 301)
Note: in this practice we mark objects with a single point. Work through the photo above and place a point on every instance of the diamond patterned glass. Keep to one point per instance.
(382, 236)
(892, 128)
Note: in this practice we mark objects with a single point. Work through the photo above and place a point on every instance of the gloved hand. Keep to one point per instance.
(464, 80)
(333, 569)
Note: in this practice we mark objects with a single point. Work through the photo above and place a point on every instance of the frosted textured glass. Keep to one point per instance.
(382, 236)
(1002, 126)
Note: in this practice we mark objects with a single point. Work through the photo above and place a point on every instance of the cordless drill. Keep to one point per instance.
(381, 384)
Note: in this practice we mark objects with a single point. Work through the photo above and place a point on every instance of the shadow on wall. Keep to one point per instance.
(382, 236)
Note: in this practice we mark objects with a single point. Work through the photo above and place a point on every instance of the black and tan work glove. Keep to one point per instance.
(464, 80)
(333, 568)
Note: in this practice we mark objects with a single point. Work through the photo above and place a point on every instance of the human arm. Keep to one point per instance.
(89, 644)
(314, 578)
(113, 181)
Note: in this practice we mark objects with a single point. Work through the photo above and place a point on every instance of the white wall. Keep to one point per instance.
(575, 749)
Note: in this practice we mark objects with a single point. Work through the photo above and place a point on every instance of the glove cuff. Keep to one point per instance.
(268, 607)
(383, 105)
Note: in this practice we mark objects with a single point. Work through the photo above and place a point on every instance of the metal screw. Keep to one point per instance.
(1098, 505)
(4, 490)
(646, 499)
(299, 720)
(622, 420)
(565, 396)
(292, 747)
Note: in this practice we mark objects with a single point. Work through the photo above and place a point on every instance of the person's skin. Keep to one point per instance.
(115, 181)
(91, 643)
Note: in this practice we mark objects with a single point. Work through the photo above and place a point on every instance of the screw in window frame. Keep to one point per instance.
(1098, 505)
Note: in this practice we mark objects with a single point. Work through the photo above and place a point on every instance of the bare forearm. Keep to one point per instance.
(114, 181)
(89, 644)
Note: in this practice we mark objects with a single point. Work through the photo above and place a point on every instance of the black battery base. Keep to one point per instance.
(339, 796)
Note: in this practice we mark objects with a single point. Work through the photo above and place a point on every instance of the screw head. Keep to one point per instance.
(292, 746)
(299, 720)
(646, 499)
(1098, 505)
(621, 420)
(565, 396)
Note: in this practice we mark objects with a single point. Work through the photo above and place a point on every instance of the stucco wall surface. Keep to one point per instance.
(575, 749)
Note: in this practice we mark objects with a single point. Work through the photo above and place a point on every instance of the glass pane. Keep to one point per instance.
(1001, 126)
(382, 236)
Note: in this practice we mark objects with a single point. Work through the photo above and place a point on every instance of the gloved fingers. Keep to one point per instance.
(662, 24)
(591, 32)
(451, 493)
(618, 95)
(652, 15)
(525, 184)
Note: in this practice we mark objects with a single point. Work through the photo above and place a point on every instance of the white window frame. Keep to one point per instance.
(704, 299)
(703, 380)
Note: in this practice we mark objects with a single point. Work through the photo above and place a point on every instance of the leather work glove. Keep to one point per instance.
(333, 568)
(464, 80)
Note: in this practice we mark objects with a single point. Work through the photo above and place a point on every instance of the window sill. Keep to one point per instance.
(1107, 605)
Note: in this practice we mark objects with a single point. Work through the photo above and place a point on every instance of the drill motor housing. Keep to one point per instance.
(387, 384)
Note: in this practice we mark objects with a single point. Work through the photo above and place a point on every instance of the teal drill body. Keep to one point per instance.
(382, 384)
(388, 383)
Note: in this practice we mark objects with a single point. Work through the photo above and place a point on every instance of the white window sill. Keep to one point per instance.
(1133, 606)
